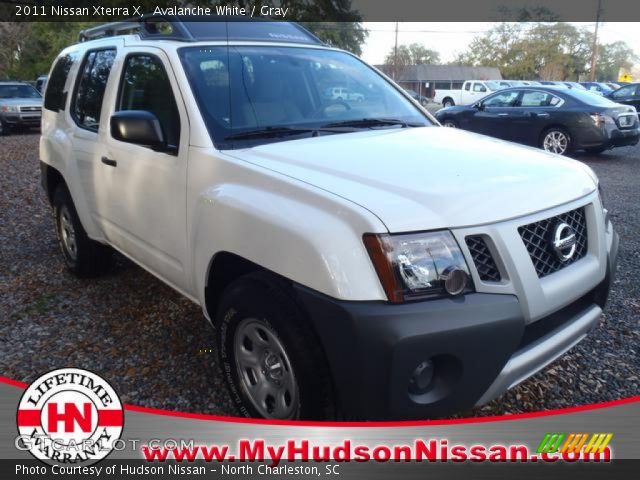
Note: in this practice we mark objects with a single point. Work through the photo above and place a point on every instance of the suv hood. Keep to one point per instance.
(429, 178)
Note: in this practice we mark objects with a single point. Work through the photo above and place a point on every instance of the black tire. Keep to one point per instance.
(424, 103)
(449, 123)
(448, 102)
(595, 150)
(89, 258)
(557, 131)
(266, 299)
(4, 130)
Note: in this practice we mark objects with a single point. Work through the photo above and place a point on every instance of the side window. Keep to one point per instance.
(93, 75)
(146, 86)
(627, 91)
(54, 98)
(503, 99)
(478, 87)
(538, 99)
(467, 86)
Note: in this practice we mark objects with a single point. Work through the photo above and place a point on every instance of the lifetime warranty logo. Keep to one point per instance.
(70, 416)
(588, 443)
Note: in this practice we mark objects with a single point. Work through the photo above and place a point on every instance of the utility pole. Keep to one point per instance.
(395, 56)
(594, 50)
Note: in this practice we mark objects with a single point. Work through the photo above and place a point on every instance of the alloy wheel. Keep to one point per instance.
(67, 233)
(555, 141)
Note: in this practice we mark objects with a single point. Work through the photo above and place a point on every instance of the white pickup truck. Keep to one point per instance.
(356, 260)
(471, 91)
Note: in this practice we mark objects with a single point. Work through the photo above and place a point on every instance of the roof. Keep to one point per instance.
(443, 72)
(195, 29)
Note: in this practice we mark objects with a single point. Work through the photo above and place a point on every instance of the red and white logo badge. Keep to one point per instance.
(70, 416)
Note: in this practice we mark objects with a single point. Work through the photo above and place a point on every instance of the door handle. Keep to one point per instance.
(110, 162)
(541, 114)
(503, 114)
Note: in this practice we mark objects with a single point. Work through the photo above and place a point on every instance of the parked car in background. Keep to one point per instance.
(613, 86)
(553, 83)
(424, 101)
(556, 120)
(345, 94)
(41, 83)
(575, 85)
(20, 106)
(471, 91)
(597, 87)
(627, 95)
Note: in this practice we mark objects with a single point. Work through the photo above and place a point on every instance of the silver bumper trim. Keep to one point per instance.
(541, 353)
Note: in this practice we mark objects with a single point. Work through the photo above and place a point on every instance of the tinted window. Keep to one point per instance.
(627, 91)
(503, 99)
(589, 98)
(18, 91)
(54, 95)
(539, 99)
(467, 86)
(91, 85)
(145, 86)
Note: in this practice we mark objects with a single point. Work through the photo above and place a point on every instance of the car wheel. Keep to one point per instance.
(595, 150)
(271, 359)
(424, 103)
(449, 123)
(448, 103)
(4, 130)
(83, 256)
(556, 140)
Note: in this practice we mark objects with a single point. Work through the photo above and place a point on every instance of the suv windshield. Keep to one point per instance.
(18, 91)
(250, 95)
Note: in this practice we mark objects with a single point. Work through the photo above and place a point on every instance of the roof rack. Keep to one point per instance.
(198, 28)
(162, 27)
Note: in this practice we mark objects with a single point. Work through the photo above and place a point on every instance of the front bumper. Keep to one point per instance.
(480, 345)
(21, 119)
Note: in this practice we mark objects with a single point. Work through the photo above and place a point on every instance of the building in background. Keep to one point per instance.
(426, 79)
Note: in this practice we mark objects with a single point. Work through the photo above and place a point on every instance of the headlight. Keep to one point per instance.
(418, 265)
(9, 108)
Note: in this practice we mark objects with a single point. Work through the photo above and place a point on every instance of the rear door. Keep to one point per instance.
(534, 112)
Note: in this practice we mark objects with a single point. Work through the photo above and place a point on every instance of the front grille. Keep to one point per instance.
(483, 260)
(537, 238)
(30, 109)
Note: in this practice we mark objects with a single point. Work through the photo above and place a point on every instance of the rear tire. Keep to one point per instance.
(556, 140)
(448, 102)
(449, 123)
(271, 359)
(83, 256)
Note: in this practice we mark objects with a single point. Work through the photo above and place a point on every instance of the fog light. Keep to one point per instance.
(421, 378)
(455, 280)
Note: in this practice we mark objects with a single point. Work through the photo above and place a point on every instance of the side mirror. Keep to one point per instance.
(138, 127)
(479, 106)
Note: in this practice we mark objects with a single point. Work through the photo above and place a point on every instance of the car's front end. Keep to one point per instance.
(20, 106)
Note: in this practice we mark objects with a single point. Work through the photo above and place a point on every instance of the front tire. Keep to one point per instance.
(270, 357)
(449, 123)
(4, 130)
(556, 140)
(83, 256)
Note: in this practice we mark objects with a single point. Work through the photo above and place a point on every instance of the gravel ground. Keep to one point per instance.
(155, 347)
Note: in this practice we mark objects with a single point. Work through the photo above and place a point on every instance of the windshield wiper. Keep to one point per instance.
(371, 122)
(269, 132)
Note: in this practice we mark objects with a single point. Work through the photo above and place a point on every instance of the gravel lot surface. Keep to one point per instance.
(155, 347)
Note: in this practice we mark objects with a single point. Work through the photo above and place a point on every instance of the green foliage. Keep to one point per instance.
(611, 58)
(413, 54)
(549, 51)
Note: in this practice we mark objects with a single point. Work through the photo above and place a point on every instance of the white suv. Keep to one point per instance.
(356, 261)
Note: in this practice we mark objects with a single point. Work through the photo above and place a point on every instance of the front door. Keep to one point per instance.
(144, 191)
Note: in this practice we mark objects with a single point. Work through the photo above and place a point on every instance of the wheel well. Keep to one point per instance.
(53, 180)
(225, 268)
(448, 98)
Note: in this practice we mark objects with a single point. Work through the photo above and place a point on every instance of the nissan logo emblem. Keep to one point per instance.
(564, 242)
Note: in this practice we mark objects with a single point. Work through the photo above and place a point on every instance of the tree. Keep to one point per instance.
(613, 57)
(413, 54)
(549, 51)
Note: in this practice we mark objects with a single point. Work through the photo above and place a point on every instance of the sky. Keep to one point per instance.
(451, 38)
